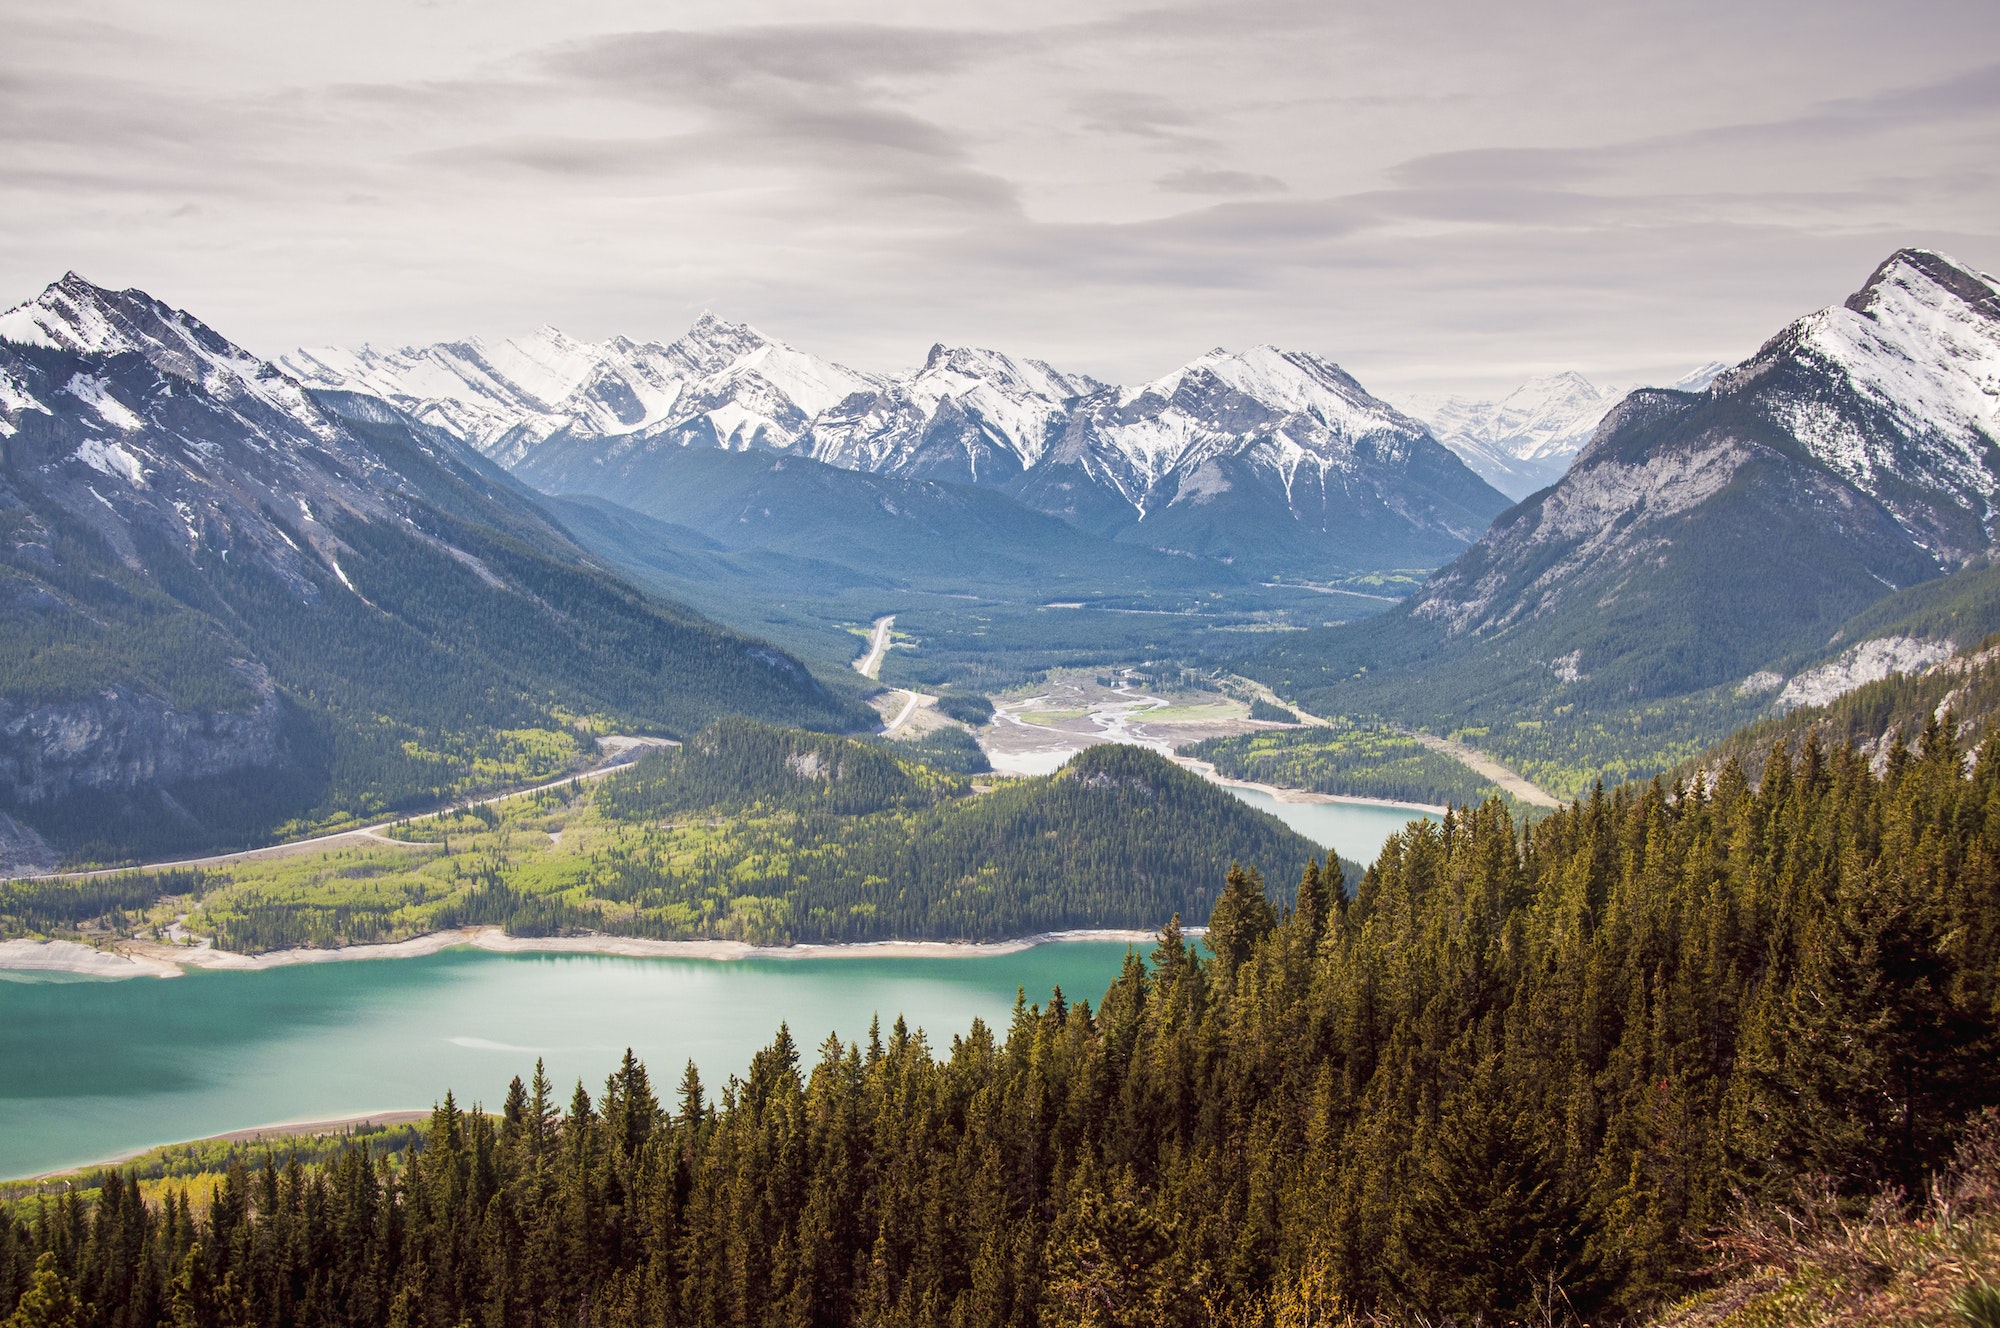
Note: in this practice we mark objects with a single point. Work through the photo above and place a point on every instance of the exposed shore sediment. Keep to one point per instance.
(149, 959)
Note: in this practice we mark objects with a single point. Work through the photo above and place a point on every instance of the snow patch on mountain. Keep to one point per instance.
(94, 392)
(111, 460)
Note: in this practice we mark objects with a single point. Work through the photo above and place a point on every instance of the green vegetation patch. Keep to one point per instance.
(1354, 760)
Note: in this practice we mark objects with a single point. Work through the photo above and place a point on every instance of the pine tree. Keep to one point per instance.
(1242, 917)
(50, 1301)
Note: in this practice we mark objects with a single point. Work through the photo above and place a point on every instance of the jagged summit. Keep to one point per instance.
(76, 314)
(711, 344)
(1896, 391)
(1104, 457)
(1927, 267)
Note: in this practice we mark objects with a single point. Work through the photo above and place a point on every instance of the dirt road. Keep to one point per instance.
(1470, 757)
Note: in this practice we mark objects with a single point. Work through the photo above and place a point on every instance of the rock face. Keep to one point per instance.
(22, 851)
(1275, 458)
(121, 740)
(1702, 536)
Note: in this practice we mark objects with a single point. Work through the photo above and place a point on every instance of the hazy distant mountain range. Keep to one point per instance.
(1526, 439)
(1276, 459)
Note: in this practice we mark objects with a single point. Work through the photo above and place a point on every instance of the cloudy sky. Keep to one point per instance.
(1439, 196)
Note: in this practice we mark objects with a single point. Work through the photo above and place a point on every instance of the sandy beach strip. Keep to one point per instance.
(149, 959)
(255, 1134)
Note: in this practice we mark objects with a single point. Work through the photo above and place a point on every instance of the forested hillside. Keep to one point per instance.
(748, 833)
(1508, 1080)
(1345, 758)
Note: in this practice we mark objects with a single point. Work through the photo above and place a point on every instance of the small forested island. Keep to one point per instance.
(1714, 1053)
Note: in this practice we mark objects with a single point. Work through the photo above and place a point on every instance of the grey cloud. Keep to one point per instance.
(1463, 193)
(675, 64)
(1195, 180)
(1501, 167)
(1139, 114)
(814, 97)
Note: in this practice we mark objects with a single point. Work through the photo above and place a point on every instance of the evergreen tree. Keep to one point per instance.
(1243, 916)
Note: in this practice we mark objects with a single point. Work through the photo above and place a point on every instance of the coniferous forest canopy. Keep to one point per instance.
(1509, 1067)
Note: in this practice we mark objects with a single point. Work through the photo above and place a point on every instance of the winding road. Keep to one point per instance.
(620, 751)
(870, 664)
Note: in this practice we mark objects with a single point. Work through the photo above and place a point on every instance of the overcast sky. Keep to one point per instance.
(1438, 196)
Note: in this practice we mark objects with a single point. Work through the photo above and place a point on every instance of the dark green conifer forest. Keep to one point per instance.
(1501, 1071)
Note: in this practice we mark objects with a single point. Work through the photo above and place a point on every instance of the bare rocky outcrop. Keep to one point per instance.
(122, 739)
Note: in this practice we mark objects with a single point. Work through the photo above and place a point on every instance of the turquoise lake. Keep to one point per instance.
(1355, 830)
(93, 1068)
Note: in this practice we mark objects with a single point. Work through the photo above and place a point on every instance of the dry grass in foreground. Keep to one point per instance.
(1816, 1263)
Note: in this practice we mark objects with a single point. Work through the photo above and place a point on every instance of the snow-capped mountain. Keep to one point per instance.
(722, 383)
(1526, 439)
(1857, 452)
(1275, 457)
(249, 601)
(1711, 544)
(1897, 391)
(1286, 436)
(968, 416)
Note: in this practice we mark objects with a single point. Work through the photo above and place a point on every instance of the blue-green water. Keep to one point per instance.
(1355, 830)
(92, 1069)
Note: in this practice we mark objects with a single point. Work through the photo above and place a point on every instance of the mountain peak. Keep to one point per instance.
(73, 313)
(1928, 274)
(711, 343)
(77, 315)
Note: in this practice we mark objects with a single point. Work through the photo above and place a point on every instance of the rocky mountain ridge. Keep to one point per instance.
(1275, 456)
(1713, 544)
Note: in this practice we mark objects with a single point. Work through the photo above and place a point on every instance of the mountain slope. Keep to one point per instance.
(1701, 536)
(232, 603)
(894, 530)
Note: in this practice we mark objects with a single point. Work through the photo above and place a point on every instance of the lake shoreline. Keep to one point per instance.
(274, 1132)
(132, 959)
(1283, 794)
